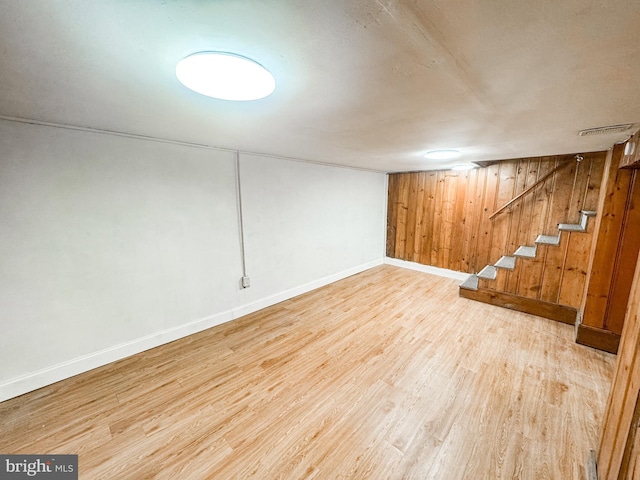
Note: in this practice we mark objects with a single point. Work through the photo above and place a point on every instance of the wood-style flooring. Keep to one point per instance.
(384, 375)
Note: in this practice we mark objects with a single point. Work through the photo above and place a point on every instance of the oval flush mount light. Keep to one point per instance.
(442, 154)
(226, 76)
(464, 166)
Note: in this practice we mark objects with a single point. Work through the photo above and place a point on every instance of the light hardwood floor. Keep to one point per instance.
(387, 374)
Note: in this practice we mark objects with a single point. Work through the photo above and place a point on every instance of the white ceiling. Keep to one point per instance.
(368, 84)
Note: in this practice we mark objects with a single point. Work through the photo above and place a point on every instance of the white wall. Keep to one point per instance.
(112, 245)
(304, 221)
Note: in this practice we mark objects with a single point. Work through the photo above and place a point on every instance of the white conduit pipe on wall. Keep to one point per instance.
(244, 282)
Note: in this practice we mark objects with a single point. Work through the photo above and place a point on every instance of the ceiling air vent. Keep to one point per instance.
(603, 130)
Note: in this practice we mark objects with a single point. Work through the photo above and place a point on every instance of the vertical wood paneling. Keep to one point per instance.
(614, 249)
(550, 185)
(550, 284)
(559, 213)
(438, 211)
(442, 219)
(401, 215)
(529, 281)
(417, 241)
(470, 220)
(502, 224)
(430, 185)
(392, 215)
(519, 233)
(483, 252)
(596, 175)
(576, 261)
(412, 219)
(477, 214)
(627, 255)
(575, 268)
(624, 394)
(448, 220)
(459, 249)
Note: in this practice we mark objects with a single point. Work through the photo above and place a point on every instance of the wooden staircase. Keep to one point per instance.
(508, 262)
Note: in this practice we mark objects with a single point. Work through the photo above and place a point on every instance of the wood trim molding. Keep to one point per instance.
(597, 338)
(552, 311)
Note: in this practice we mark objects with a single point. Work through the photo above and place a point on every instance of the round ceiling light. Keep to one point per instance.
(464, 166)
(442, 154)
(226, 76)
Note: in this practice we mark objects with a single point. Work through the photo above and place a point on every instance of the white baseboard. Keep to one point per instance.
(47, 376)
(307, 287)
(441, 272)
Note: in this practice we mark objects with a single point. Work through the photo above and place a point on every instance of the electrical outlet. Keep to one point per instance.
(245, 282)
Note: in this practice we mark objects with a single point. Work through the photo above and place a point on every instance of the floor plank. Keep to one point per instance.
(386, 374)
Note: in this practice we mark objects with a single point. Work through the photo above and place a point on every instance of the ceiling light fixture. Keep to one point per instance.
(464, 166)
(226, 76)
(442, 154)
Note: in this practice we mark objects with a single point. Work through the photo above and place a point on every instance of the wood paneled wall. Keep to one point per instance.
(615, 249)
(441, 218)
(619, 447)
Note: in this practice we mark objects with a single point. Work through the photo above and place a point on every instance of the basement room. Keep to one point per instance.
(391, 239)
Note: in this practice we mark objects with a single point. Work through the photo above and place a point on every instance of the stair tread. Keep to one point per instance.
(489, 272)
(571, 227)
(471, 283)
(506, 262)
(526, 251)
(548, 239)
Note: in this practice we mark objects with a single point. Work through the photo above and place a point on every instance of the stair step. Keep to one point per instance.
(488, 273)
(548, 240)
(471, 283)
(506, 262)
(578, 227)
(526, 251)
(571, 227)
